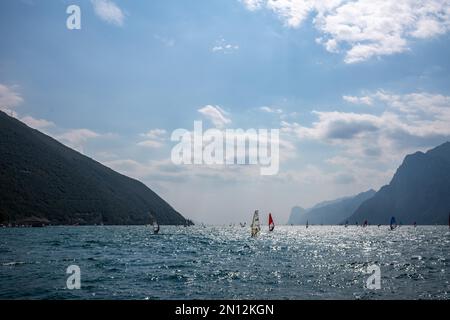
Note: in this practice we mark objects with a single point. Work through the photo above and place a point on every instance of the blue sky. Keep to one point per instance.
(353, 86)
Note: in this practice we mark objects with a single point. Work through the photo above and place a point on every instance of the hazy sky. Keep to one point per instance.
(353, 87)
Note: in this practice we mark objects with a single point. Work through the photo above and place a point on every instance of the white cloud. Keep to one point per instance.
(404, 123)
(253, 5)
(154, 134)
(216, 115)
(331, 45)
(271, 110)
(224, 47)
(427, 28)
(293, 12)
(10, 112)
(78, 135)
(435, 105)
(358, 100)
(150, 144)
(109, 12)
(76, 138)
(9, 97)
(166, 170)
(39, 124)
(364, 28)
(154, 138)
(367, 148)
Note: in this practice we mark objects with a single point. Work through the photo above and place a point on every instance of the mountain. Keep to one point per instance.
(43, 180)
(330, 212)
(419, 191)
(296, 214)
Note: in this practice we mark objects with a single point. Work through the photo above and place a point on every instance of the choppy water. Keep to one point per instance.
(224, 263)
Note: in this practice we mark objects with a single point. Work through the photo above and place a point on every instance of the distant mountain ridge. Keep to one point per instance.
(330, 212)
(418, 192)
(43, 180)
(296, 214)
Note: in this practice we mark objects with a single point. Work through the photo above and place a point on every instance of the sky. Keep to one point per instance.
(353, 87)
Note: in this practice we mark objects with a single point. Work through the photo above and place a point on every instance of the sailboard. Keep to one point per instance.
(271, 223)
(155, 227)
(393, 223)
(255, 226)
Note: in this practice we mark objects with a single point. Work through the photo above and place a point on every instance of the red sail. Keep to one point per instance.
(271, 224)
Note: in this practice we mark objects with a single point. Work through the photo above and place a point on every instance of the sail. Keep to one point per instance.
(256, 227)
(271, 223)
(393, 223)
(307, 224)
(155, 227)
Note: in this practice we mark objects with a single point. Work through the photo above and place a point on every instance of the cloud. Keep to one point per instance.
(358, 100)
(402, 123)
(366, 148)
(335, 126)
(76, 138)
(253, 5)
(154, 138)
(164, 170)
(435, 105)
(154, 134)
(271, 110)
(216, 115)
(150, 144)
(364, 29)
(109, 12)
(39, 124)
(224, 47)
(78, 135)
(9, 97)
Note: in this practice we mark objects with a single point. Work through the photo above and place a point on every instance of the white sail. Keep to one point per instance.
(256, 226)
(155, 227)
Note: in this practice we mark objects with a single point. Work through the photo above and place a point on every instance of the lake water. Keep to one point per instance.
(129, 262)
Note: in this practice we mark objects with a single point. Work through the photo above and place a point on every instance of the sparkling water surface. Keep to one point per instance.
(129, 262)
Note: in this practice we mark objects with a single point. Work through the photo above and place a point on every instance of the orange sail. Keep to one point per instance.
(271, 224)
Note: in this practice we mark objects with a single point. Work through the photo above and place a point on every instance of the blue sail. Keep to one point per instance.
(393, 223)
